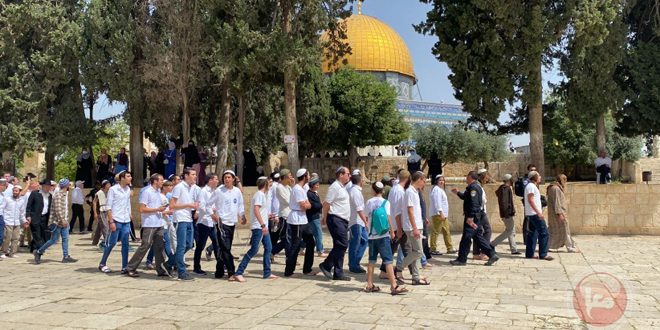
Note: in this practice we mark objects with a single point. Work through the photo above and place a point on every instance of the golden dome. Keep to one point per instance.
(375, 47)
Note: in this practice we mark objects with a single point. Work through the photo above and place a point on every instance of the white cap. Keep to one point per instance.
(356, 172)
(482, 171)
(301, 172)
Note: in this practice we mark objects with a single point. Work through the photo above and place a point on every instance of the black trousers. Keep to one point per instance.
(487, 233)
(224, 257)
(77, 213)
(91, 218)
(338, 229)
(133, 237)
(203, 233)
(425, 242)
(39, 235)
(294, 234)
(470, 234)
(278, 237)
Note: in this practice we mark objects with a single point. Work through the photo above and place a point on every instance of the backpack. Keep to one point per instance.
(519, 187)
(379, 222)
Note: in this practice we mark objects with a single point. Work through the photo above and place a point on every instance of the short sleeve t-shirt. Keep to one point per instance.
(395, 198)
(371, 205)
(411, 198)
(183, 194)
(338, 199)
(151, 199)
(263, 202)
(357, 205)
(297, 215)
(531, 188)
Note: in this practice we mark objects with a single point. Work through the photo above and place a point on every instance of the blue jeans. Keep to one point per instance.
(122, 233)
(357, 246)
(538, 230)
(55, 232)
(318, 233)
(168, 249)
(382, 246)
(184, 242)
(257, 237)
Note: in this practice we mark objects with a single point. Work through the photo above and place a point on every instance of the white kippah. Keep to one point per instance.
(356, 172)
(379, 185)
(301, 172)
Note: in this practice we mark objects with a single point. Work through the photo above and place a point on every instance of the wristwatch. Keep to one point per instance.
(263, 225)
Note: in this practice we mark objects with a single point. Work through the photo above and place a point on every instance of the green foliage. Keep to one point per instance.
(365, 110)
(454, 145)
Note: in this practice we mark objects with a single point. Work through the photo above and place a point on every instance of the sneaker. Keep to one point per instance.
(492, 260)
(150, 267)
(341, 278)
(37, 257)
(456, 263)
(124, 272)
(325, 272)
(4, 256)
(199, 272)
(358, 271)
(185, 277)
(452, 251)
(68, 260)
(209, 253)
(104, 269)
(436, 253)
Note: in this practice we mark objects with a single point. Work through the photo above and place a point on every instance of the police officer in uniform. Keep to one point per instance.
(473, 209)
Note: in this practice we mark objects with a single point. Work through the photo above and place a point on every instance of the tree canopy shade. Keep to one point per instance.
(496, 50)
(455, 144)
(366, 112)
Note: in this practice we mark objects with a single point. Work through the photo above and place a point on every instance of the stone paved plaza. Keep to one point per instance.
(515, 294)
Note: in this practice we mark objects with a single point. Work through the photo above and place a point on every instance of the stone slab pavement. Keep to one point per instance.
(515, 294)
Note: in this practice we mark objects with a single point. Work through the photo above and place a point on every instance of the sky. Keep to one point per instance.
(433, 84)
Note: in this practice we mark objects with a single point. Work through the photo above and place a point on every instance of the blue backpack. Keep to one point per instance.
(379, 222)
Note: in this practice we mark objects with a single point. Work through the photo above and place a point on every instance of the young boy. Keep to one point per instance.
(259, 224)
(380, 243)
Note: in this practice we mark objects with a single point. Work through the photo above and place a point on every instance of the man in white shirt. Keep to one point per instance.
(283, 195)
(357, 225)
(183, 204)
(336, 212)
(3, 188)
(151, 211)
(396, 201)
(205, 227)
(413, 223)
(119, 220)
(77, 212)
(538, 230)
(99, 206)
(229, 208)
(439, 211)
(13, 211)
(298, 227)
(603, 168)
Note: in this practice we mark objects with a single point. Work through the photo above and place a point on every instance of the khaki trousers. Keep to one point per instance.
(440, 225)
(12, 234)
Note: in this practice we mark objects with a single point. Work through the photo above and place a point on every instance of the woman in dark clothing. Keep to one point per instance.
(103, 163)
(84, 168)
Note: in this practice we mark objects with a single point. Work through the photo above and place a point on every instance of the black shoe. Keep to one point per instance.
(68, 260)
(219, 276)
(358, 271)
(132, 273)
(456, 263)
(124, 272)
(325, 272)
(199, 272)
(436, 253)
(516, 253)
(163, 275)
(341, 278)
(37, 257)
(492, 260)
(185, 277)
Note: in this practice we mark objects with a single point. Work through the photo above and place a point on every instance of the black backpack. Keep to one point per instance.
(519, 186)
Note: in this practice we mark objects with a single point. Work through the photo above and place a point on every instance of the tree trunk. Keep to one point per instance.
(655, 148)
(600, 132)
(290, 96)
(353, 156)
(240, 131)
(185, 120)
(535, 108)
(50, 164)
(91, 100)
(223, 128)
(136, 145)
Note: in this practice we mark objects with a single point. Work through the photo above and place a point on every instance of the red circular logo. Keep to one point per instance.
(600, 299)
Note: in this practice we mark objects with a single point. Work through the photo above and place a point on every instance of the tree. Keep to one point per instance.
(366, 112)
(455, 144)
(640, 72)
(496, 51)
(595, 44)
